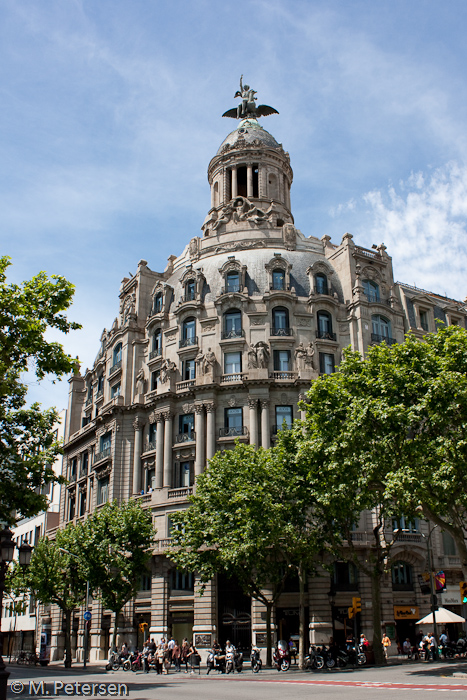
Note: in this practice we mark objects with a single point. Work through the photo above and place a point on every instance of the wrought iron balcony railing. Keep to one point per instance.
(281, 331)
(186, 342)
(325, 335)
(233, 333)
(377, 338)
(233, 432)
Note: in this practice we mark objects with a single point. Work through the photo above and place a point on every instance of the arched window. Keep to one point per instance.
(278, 279)
(188, 333)
(156, 344)
(232, 282)
(158, 303)
(117, 355)
(402, 576)
(280, 321)
(325, 326)
(381, 330)
(371, 290)
(321, 284)
(233, 324)
(190, 290)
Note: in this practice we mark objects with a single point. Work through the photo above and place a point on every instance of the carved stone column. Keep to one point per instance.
(265, 427)
(234, 181)
(249, 181)
(253, 406)
(168, 439)
(210, 430)
(200, 459)
(138, 428)
(159, 451)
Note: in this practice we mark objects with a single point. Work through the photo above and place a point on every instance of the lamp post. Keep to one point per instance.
(429, 554)
(7, 551)
(86, 605)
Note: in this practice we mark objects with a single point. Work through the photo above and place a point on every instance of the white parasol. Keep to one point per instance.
(442, 616)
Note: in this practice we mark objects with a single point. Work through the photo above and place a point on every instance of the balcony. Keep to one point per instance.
(188, 342)
(191, 296)
(179, 493)
(103, 454)
(185, 385)
(163, 545)
(281, 331)
(234, 333)
(150, 445)
(115, 368)
(100, 394)
(185, 437)
(277, 288)
(377, 338)
(409, 537)
(157, 352)
(232, 288)
(283, 376)
(325, 335)
(234, 432)
(234, 377)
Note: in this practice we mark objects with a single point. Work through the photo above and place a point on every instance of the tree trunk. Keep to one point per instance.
(269, 607)
(113, 646)
(302, 640)
(68, 638)
(376, 603)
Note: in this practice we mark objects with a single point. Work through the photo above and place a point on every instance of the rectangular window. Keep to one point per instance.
(187, 423)
(150, 480)
(115, 390)
(106, 442)
(189, 369)
(73, 468)
(146, 582)
(449, 546)
(234, 419)
(232, 362)
(71, 508)
(82, 503)
(183, 474)
(84, 463)
(155, 380)
(283, 415)
(405, 524)
(102, 490)
(326, 363)
(181, 581)
(282, 361)
(424, 320)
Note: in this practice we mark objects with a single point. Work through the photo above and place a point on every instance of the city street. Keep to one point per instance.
(393, 682)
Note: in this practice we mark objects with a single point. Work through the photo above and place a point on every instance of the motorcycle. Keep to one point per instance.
(281, 656)
(137, 662)
(327, 655)
(314, 660)
(256, 663)
(215, 661)
(229, 660)
(356, 655)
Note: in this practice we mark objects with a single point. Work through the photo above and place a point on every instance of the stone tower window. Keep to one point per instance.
(321, 284)
(380, 329)
(280, 321)
(371, 290)
(278, 279)
(325, 326)
(273, 190)
(232, 282)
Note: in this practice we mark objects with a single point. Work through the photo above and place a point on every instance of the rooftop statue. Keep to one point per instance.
(247, 108)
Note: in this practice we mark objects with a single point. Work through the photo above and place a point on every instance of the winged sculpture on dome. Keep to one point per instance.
(248, 108)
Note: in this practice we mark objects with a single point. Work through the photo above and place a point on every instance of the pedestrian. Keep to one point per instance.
(386, 642)
(184, 653)
(176, 651)
(159, 658)
(194, 657)
(433, 647)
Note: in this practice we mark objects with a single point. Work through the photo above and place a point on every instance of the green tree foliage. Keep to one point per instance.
(388, 433)
(27, 443)
(57, 574)
(248, 520)
(116, 545)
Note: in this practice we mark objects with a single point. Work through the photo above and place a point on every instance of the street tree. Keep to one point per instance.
(57, 575)
(117, 546)
(28, 446)
(387, 434)
(247, 520)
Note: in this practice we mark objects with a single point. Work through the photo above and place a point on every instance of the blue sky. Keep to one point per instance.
(111, 111)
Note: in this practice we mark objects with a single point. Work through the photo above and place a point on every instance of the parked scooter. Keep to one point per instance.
(256, 663)
(215, 661)
(281, 656)
(314, 660)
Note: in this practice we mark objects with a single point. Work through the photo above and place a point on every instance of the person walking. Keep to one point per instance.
(176, 656)
(386, 642)
(184, 653)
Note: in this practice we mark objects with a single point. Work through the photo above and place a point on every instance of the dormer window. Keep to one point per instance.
(278, 279)
(117, 355)
(158, 303)
(321, 284)
(156, 344)
(371, 290)
(232, 282)
(190, 290)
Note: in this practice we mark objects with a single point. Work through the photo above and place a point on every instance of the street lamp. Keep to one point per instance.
(7, 552)
(429, 553)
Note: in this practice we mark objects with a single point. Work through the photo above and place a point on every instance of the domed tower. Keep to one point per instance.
(250, 175)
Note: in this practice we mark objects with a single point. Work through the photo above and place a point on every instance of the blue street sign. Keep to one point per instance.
(87, 615)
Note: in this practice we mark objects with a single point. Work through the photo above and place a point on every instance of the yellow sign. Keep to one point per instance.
(406, 612)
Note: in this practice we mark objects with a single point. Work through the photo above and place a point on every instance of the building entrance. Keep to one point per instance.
(234, 614)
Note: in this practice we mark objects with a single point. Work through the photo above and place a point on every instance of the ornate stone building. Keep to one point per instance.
(220, 346)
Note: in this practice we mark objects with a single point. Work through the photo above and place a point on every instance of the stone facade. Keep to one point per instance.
(221, 346)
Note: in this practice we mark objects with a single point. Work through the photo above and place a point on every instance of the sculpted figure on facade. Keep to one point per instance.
(290, 236)
(252, 357)
(262, 353)
(209, 360)
(140, 382)
(309, 359)
(300, 356)
(129, 308)
(167, 368)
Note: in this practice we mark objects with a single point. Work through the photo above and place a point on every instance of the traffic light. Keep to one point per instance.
(463, 589)
(350, 613)
(357, 605)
